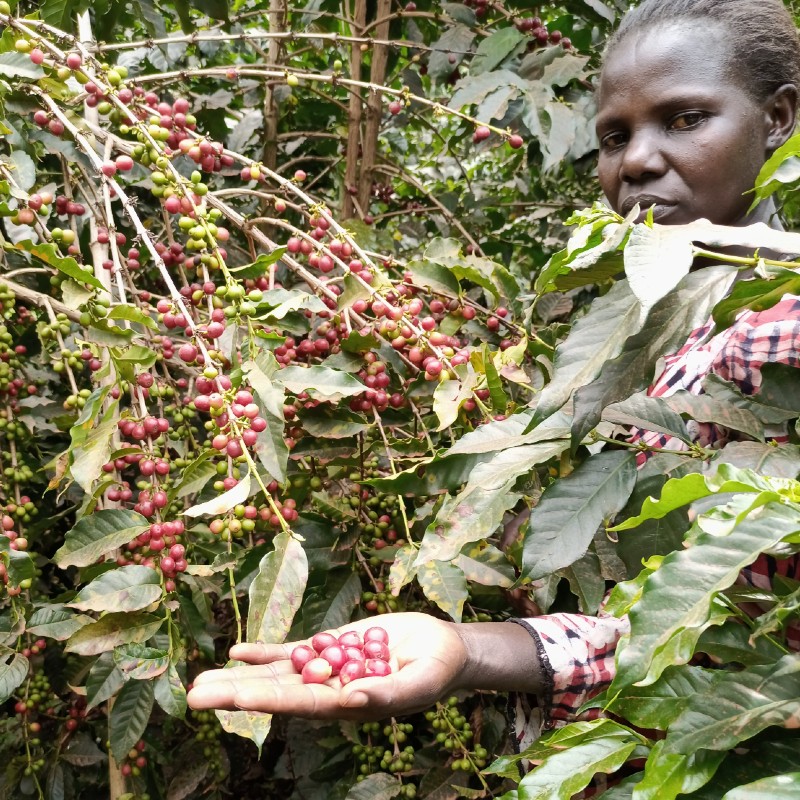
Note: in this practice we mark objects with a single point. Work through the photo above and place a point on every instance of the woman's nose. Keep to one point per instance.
(642, 157)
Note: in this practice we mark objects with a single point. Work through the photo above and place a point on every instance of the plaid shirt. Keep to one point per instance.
(577, 652)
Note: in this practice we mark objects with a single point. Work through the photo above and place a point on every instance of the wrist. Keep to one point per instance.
(498, 656)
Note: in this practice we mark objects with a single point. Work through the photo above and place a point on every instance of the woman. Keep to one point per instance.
(694, 96)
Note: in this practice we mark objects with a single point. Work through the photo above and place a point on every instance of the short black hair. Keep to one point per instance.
(765, 47)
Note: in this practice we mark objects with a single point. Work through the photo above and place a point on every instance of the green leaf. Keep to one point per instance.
(49, 254)
(194, 477)
(277, 303)
(593, 340)
(139, 662)
(87, 459)
(777, 787)
(647, 250)
(763, 760)
(781, 460)
(648, 414)
(445, 585)
(333, 605)
(510, 432)
(453, 42)
(260, 267)
(477, 511)
(569, 766)
(676, 603)
(170, 693)
(564, 522)
(486, 565)
(378, 786)
(19, 65)
(666, 775)
(111, 631)
(704, 408)
(13, 670)
(756, 295)
(731, 643)
(56, 622)
(133, 314)
(277, 591)
(251, 725)
(679, 492)
(495, 49)
(130, 588)
(450, 394)
(657, 705)
(403, 570)
(129, 716)
(432, 276)
(586, 582)
(668, 324)
(271, 447)
(224, 502)
(104, 681)
(100, 533)
(321, 383)
(739, 706)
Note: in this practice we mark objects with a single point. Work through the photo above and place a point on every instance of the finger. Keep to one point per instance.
(261, 653)
(309, 700)
(278, 670)
(222, 692)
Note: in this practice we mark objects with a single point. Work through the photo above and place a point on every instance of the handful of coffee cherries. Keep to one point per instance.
(350, 657)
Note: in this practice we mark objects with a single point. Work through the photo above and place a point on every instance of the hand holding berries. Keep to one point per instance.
(426, 660)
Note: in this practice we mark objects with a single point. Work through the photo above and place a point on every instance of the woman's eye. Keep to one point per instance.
(688, 119)
(613, 140)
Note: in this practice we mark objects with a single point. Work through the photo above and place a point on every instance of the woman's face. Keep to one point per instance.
(676, 132)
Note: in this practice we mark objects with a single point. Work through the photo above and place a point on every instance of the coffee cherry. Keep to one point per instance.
(301, 655)
(376, 634)
(351, 671)
(515, 141)
(377, 668)
(375, 649)
(318, 670)
(322, 640)
(335, 656)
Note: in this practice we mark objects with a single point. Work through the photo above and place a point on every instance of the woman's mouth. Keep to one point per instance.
(660, 208)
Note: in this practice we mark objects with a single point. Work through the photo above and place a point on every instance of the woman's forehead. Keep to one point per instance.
(666, 57)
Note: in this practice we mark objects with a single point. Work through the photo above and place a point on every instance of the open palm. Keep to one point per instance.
(427, 656)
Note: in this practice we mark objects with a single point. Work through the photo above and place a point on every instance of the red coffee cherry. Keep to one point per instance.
(322, 640)
(376, 668)
(352, 671)
(376, 649)
(318, 670)
(301, 655)
(376, 634)
(335, 656)
(350, 639)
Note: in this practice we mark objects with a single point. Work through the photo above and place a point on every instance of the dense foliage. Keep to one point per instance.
(291, 335)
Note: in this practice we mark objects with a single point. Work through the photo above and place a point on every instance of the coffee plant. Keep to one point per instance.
(292, 335)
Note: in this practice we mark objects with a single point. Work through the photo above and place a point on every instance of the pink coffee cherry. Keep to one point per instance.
(322, 640)
(375, 649)
(376, 668)
(335, 656)
(318, 670)
(376, 634)
(352, 671)
(350, 639)
(301, 655)
(354, 654)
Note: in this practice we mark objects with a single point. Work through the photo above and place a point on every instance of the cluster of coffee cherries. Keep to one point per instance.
(135, 761)
(537, 30)
(386, 749)
(207, 735)
(350, 656)
(455, 734)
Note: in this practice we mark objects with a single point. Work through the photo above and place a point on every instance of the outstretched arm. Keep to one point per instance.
(431, 658)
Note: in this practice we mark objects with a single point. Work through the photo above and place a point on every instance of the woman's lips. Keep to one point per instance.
(661, 208)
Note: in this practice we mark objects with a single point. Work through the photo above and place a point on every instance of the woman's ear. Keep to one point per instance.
(782, 114)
